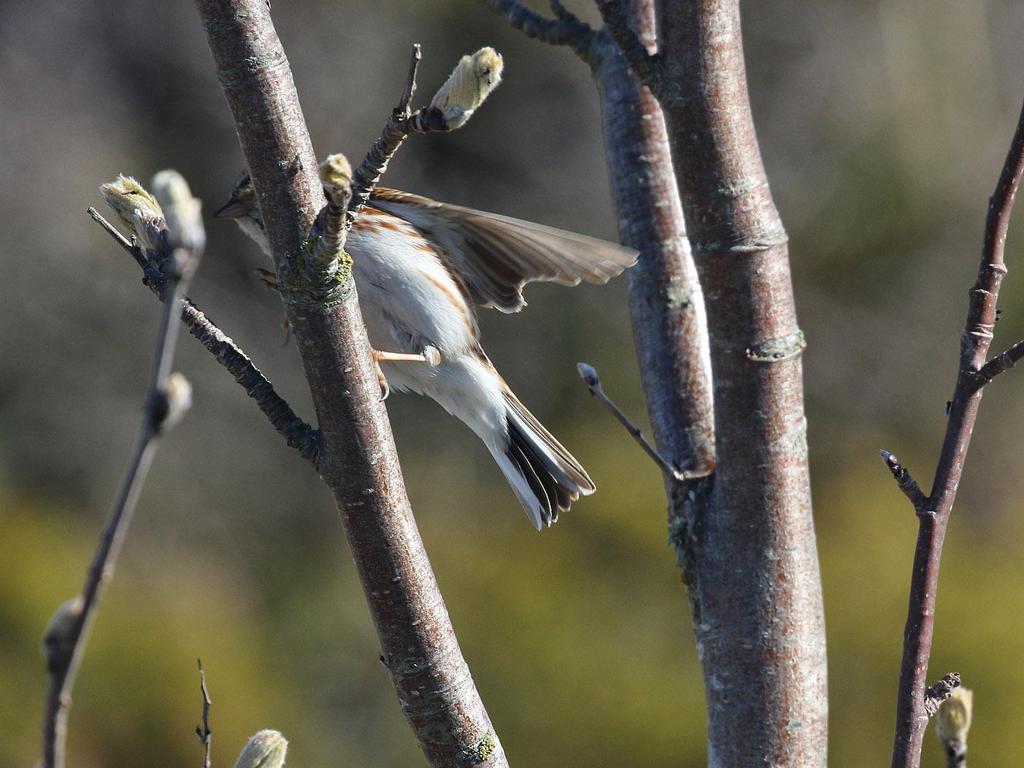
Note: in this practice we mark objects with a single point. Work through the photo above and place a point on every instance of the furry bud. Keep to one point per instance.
(336, 176)
(136, 208)
(469, 84)
(267, 749)
(953, 720)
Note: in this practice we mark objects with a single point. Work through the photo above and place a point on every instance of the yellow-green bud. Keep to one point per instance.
(136, 208)
(267, 749)
(953, 720)
(469, 84)
(336, 176)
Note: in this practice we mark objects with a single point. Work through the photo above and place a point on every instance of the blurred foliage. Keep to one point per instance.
(883, 124)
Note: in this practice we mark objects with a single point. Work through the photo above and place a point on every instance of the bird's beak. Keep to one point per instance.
(233, 209)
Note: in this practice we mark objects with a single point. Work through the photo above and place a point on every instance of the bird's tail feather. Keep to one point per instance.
(544, 475)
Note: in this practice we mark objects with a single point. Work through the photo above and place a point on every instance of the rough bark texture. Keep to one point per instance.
(756, 588)
(666, 304)
(357, 459)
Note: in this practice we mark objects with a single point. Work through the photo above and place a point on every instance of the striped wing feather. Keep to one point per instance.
(496, 255)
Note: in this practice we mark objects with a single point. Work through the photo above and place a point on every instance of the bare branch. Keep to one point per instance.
(405, 103)
(136, 252)
(169, 396)
(976, 339)
(296, 432)
(940, 691)
(906, 483)
(1001, 363)
(589, 376)
(203, 731)
(565, 29)
(439, 116)
(358, 458)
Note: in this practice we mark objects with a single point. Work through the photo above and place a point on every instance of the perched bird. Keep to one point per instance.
(420, 266)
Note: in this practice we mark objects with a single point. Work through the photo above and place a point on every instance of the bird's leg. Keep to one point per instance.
(430, 356)
(269, 278)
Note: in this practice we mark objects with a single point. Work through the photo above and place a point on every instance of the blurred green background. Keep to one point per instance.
(883, 125)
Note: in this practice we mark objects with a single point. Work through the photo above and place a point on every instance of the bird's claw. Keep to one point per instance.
(382, 380)
(430, 355)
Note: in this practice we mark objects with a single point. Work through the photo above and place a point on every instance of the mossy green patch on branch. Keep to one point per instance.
(315, 283)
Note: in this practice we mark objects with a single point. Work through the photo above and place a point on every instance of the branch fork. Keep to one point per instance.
(914, 704)
(590, 378)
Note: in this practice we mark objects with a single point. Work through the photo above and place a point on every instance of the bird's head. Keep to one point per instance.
(242, 207)
(242, 201)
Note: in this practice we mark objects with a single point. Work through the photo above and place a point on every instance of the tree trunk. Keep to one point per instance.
(755, 584)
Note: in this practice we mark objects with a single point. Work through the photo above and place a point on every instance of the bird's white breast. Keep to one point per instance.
(407, 295)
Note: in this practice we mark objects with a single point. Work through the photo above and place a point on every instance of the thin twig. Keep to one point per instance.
(167, 399)
(135, 251)
(565, 29)
(203, 731)
(402, 122)
(297, 433)
(963, 412)
(940, 691)
(589, 376)
(397, 128)
(1001, 363)
(906, 483)
(405, 103)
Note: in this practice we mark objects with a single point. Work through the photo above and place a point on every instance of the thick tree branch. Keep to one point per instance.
(296, 432)
(975, 340)
(358, 458)
(754, 580)
(665, 297)
(168, 397)
(648, 66)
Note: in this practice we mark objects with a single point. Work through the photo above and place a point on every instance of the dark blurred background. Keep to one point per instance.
(883, 125)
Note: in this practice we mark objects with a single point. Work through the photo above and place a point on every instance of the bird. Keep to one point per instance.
(420, 268)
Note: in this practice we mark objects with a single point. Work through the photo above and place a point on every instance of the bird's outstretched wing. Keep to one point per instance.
(496, 255)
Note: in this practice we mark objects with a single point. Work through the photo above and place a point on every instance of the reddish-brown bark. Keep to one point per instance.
(934, 511)
(756, 587)
(357, 457)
